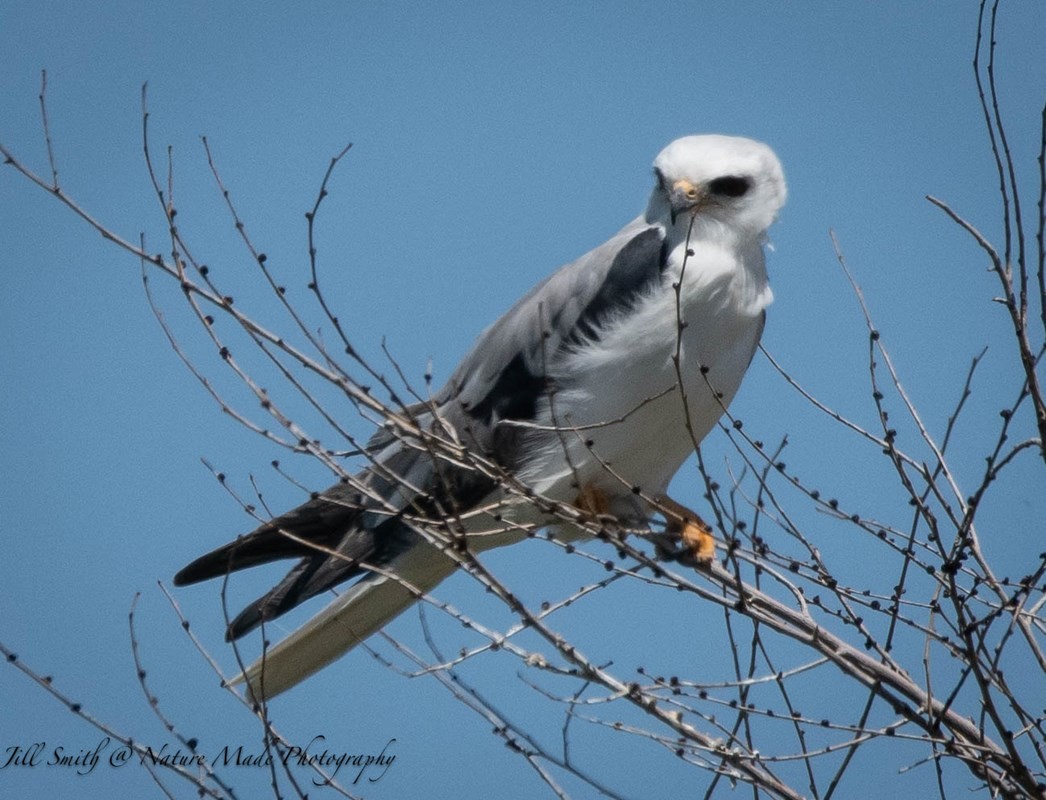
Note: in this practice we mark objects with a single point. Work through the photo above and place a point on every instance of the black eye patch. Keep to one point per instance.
(729, 186)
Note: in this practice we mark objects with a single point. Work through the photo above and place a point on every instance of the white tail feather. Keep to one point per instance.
(354, 615)
(377, 599)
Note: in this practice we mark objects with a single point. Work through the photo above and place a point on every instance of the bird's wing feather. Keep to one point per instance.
(503, 375)
(322, 521)
(501, 378)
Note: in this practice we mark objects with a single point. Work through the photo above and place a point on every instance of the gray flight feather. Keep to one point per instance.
(500, 379)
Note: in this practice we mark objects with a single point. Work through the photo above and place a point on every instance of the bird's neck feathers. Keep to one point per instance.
(709, 229)
(723, 256)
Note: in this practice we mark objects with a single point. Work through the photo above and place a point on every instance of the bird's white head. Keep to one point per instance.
(728, 181)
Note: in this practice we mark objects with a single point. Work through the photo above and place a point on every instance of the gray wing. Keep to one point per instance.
(501, 378)
(503, 375)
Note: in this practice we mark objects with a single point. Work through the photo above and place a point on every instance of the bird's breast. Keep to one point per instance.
(619, 401)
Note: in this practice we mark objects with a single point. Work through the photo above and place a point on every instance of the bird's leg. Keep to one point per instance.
(695, 533)
(593, 500)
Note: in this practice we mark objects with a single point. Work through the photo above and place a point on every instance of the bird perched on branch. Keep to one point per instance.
(589, 393)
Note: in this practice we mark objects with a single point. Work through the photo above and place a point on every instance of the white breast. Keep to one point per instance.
(618, 403)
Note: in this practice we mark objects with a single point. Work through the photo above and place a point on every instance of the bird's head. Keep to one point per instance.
(725, 180)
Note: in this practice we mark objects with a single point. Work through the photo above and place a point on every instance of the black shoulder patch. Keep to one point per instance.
(638, 264)
(516, 391)
(514, 394)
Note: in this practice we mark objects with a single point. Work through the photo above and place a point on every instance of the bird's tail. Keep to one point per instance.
(355, 614)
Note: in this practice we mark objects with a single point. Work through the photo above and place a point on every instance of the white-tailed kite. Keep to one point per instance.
(575, 392)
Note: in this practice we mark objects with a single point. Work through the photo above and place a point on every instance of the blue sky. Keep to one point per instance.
(492, 143)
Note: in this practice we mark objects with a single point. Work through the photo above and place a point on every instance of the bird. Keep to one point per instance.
(590, 393)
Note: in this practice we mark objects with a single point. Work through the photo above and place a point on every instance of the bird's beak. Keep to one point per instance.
(685, 196)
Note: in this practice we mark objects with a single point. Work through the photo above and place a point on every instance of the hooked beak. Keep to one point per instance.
(685, 196)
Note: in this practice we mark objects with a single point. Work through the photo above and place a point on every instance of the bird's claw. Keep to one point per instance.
(697, 536)
(687, 527)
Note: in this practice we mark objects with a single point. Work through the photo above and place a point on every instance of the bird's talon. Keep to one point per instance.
(697, 536)
(693, 532)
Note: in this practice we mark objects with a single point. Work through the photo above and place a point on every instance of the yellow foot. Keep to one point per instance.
(593, 500)
(695, 533)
